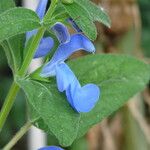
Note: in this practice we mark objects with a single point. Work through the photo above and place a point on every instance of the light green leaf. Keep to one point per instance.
(119, 78)
(53, 109)
(67, 1)
(97, 13)
(13, 46)
(16, 21)
(6, 4)
(82, 19)
(84, 13)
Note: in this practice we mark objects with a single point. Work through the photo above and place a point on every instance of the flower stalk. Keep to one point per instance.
(18, 136)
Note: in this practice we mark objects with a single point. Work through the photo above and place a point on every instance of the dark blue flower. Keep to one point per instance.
(46, 44)
(51, 148)
(82, 99)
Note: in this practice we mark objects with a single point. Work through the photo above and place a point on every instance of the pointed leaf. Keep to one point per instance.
(16, 21)
(82, 19)
(13, 47)
(6, 4)
(119, 77)
(53, 109)
(97, 13)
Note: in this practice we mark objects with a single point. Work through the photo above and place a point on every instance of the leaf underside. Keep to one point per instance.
(13, 22)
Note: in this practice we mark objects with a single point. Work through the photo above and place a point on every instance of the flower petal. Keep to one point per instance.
(41, 8)
(30, 34)
(82, 99)
(85, 98)
(77, 42)
(64, 76)
(44, 48)
(51, 148)
(74, 25)
(61, 32)
(75, 85)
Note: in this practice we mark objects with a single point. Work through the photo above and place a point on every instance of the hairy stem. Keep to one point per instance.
(8, 103)
(31, 52)
(50, 10)
(18, 136)
(22, 72)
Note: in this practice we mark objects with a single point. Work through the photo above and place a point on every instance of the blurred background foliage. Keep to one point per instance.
(144, 6)
(127, 129)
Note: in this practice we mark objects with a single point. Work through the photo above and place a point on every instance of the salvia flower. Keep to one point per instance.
(51, 148)
(82, 99)
(47, 43)
(68, 45)
(61, 32)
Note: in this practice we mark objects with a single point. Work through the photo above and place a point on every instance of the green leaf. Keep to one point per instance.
(14, 46)
(67, 1)
(36, 75)
(53, 109)
(97, 13)
(6, 4)
(16, 21)
(119, 78)
(82, 19)
(84, 13)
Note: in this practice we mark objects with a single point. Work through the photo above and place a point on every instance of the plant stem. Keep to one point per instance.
(8, 103)
(31, 52)
(15, 88)
(50, 10)
(22, 72)
(18, 136)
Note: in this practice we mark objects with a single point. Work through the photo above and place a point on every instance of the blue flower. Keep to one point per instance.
(51, 148)
(61, 32)
(76, 43)
(82, 99)
(46, 44)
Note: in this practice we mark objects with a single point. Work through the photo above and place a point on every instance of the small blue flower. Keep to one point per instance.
(82, 99)
(46, 44)
(61, 32)
(77, 42)
(51, 148)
